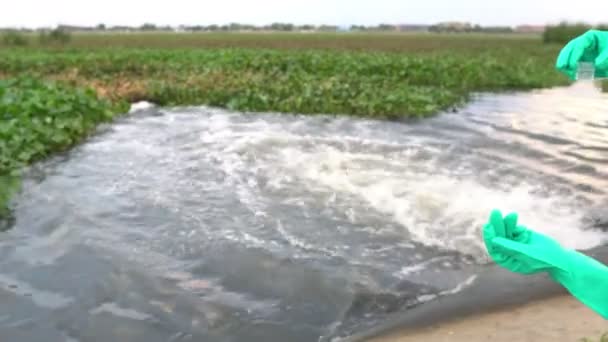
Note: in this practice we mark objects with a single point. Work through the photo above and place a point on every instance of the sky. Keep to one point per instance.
(44, 13)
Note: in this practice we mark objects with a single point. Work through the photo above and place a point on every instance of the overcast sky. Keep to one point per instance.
(36, 13)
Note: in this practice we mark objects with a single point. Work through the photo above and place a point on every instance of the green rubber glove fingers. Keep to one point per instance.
(514, 247)
(525, 251)
(592, 46)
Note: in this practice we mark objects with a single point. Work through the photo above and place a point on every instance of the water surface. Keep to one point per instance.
(191, 224)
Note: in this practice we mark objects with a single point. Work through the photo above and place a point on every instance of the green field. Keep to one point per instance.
(373, 42)
(370, 75)
(374, 75)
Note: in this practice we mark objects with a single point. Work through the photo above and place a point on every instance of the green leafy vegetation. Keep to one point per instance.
(14, 38)
(8, 185)
(564, 32)
(56, 36)
(313, 80)
(603, 338)
(38, 118)
(411, 43)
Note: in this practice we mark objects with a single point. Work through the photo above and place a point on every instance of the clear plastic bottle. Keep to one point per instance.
(585, 71)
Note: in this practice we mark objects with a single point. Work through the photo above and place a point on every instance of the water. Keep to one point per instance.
(193, 224)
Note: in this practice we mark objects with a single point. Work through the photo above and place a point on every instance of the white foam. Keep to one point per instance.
(356, 172)
(461, 286)
(142, 105)
(436, 209)
(415, 268)
(116, 310)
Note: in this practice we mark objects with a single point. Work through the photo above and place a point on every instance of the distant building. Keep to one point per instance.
(452, 26)
(121, 29)
(412, 28)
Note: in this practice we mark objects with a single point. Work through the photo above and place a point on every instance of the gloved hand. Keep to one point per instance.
(521, 250)
(592, 46)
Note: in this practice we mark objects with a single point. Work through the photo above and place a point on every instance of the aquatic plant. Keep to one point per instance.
(40, 117)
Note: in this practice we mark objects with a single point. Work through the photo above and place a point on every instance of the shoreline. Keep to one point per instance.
(494, 290)
(560, 318)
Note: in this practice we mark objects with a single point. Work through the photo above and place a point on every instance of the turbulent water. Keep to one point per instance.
(198, 224)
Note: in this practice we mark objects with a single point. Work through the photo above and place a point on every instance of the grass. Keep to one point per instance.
(368, 42)
(372, 75)
(603, 338)
(411, 43)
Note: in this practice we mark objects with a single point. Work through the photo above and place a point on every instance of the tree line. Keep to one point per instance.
(279, 27)
(564, 31)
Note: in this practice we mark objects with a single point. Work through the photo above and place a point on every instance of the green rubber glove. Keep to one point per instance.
(592, 46)
(524, 251)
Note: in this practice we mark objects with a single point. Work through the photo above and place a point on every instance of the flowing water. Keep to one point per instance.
(198, 224)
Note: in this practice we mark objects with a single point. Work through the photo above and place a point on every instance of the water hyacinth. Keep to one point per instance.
(40, 117)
